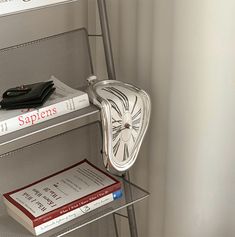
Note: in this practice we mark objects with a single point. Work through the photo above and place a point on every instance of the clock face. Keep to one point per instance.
(126, 120)
(125, 113)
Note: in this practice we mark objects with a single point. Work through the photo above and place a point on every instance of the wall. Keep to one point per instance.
(142, 34)
(182, 52)
(200, 166)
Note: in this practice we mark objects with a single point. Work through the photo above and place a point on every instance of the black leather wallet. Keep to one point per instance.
(27, 96)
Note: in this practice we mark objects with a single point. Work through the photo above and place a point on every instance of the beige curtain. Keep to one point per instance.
(135, 28)
(182, 52)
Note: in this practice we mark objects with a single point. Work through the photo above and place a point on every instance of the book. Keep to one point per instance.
(60, 197)
(69, 216)
(63, 100)
(14, 6)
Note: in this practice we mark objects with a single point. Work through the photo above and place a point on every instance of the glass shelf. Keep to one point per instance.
(48, 129)
(132, 194)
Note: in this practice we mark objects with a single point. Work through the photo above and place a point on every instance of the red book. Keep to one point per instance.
(60, 193)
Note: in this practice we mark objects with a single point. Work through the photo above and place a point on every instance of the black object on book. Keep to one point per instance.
(27, 96)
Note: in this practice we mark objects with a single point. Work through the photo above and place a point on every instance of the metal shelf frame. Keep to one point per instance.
(104, 23)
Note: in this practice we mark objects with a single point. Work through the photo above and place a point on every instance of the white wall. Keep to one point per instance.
(142, 34)
(183, 53)
(200, 196)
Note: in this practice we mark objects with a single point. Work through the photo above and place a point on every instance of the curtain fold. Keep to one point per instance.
(182, 52)
(145, 63)
(200, 163)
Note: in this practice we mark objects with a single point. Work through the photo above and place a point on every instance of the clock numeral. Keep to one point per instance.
(136, 114)
(136, 128)
(135, 122)
(126, 152)
(136, 98)
(133, 138)
(115, 134)
(120, 95)
(115, 107)
(116, 121)
(116, 147)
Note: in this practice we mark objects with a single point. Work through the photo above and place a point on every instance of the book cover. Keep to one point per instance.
(63, 100)
(60, 193)
(14, 6)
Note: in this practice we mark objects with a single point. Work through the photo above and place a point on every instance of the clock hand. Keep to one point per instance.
(118, 129)
(126, 126)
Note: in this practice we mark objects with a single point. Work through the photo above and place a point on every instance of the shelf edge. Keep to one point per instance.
(48, 132)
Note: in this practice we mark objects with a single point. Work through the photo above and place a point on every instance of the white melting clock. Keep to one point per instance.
(125, 114)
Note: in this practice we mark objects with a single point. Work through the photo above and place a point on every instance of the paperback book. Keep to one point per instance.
(63, 100)
(61, 197)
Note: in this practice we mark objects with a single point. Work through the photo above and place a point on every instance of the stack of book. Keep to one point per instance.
(61, 197)
(63, 100)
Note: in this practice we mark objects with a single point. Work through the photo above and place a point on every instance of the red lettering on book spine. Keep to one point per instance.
(34, 118)
(21, 120)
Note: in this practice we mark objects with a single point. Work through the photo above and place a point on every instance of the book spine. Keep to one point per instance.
(43, 114)
(77, 212)
(76, 204)
(11, 6)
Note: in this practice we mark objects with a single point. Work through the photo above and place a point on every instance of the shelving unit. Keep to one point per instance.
(73, 61)
(9, 227)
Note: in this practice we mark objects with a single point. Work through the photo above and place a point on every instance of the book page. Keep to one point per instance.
(62, 189)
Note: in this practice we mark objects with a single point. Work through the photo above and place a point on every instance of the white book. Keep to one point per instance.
(13, 6)
(69, 216)
(63, 100)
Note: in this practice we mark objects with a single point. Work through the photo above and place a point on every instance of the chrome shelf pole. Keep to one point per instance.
(106, 39)
(112, 76)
